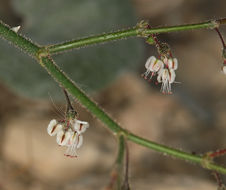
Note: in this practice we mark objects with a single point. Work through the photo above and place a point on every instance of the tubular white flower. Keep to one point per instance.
(74, 143)
(80, 126)
(150, 62)
(63, 137)
(166, 77)
(173, 63)
(53, 127)
(153, 66)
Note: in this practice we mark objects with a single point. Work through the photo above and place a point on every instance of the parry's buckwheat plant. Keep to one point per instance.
(69, 131)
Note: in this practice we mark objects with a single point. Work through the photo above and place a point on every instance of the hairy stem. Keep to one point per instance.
(136, 31)
(42, 56)
(18, 40)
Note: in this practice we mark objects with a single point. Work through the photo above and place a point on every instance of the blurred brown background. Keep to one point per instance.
(192, 119)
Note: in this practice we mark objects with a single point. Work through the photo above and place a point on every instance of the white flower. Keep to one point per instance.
(166, 77)
(171, 63)
(74, 143)
(63, 137)
(80, 126)
(53, 127)
(16, 28)
(153, 66)
(68, 133)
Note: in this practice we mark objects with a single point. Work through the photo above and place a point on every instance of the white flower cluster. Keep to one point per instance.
(165, 71)
(68, 133)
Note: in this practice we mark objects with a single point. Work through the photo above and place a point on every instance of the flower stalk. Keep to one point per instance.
(123, 34)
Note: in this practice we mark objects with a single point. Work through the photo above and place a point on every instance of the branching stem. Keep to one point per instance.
(136, 31)
(42, 55)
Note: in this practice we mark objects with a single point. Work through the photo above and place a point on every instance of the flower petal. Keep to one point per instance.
(175, 63)
(172, 76)
(80, 126)
(51, 127)
(63, 137)
(151, 60)
(224, 69)
(159, 78)
(80, 141)
(72, 139)
(75, 142)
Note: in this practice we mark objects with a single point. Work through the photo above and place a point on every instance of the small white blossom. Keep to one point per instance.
(74, 143)
(63, 137)
(16, 28)
(171, 63)
(53, 127)
(153, 66)
(80, 126)
(68, 133)
(166, 77)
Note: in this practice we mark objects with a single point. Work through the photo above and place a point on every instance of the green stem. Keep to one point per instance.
(18, 40)
(121, 149)
(120, 160)
(204, 162)
(41, 55)
(125, 185)
(137, 31)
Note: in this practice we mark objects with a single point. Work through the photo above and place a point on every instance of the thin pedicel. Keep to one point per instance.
(223, 50)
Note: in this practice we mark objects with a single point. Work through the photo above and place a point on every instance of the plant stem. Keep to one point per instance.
(176, 153)
(125, 185)
(221, 37)
(136, 31)
(120, 160)
(41, 55)
(117, 173)
(121, 149)
(18, 40)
